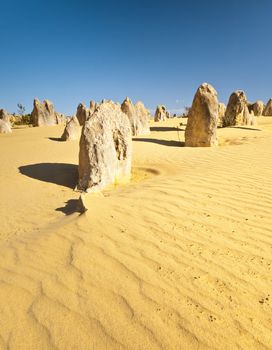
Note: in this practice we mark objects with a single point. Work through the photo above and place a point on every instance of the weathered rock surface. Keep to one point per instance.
(72, 130)
(138, 117)
(60, 118)
(43, 113)
(203, 118)
(93, 106)
(258, 108)
(83, 113)
(4, 115)
(237, 112)
(5, 127)
(268, 109)
(161, 114)
(143, 118)
(105, 148)
(221, 113)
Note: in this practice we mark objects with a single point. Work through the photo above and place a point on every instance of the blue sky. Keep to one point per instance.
(156, 51)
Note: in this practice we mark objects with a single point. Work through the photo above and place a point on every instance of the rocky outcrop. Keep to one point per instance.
(93, 106)
(221, 113)
(105, 148)
(202, 119)
(72, 130)
(43, 113)
(128, 108)
(83, 113)
(268, 109)
(258, 108)
(161, 114)
(5, 127)
(60, 118)
(137, 116)
(237, 112)
(143, 115)
(4, 116)
(5, 123)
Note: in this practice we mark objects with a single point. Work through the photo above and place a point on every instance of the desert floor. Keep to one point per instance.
(180, 258)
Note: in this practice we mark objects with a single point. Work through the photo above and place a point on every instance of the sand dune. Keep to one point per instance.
(180, 258)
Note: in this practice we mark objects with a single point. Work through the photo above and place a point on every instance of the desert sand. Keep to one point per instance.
(179, 258)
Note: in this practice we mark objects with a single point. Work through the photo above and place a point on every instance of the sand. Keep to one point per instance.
(180, 258)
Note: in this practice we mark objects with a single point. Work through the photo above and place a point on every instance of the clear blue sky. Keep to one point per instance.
(71, 51)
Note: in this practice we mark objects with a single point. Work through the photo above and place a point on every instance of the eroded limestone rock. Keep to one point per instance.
(105, 148)
(5, 127)
(268, 109)
(237, 112)
(43, 113)
(72, 130)
(203, 118)
(161, 114)
(258, 108)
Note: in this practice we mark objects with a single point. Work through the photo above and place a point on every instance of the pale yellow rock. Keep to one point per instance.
(83, 113)
(72, 130)
(203, 118)
(5, 127)
(221, 113)
(161, 114)
(43, 113)
(237, 112)
(105, 148)
(93, 106)
(268, 109)
(258, 108)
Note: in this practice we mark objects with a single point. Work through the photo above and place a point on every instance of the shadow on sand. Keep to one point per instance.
(165, 128)
(170, 143)
(72, 206)
(55, 139)
(244, 128)
(57, 173)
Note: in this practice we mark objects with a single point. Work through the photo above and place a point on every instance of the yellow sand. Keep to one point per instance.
(179, 259)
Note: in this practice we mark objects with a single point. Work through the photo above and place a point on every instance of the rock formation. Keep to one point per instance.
(237, 112)
(83, 113)
(5, 127)
(138, 117)
(250, 106)
(221, 113)
(143, 118)
(93, 106)
(105, 148)
(5, 124)
(60, 118)
(202, 119)
(268, 109)
(72, 130)
(4, 116)
(258, 108)
(43, 113)
(161, 114)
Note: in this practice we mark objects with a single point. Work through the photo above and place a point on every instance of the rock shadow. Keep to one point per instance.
(58, 139)
(165, 128)
(170, 143)
(57, 173)
(245, 128)
(72, 206)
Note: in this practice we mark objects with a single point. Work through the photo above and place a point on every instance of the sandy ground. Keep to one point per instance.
(178, 259)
